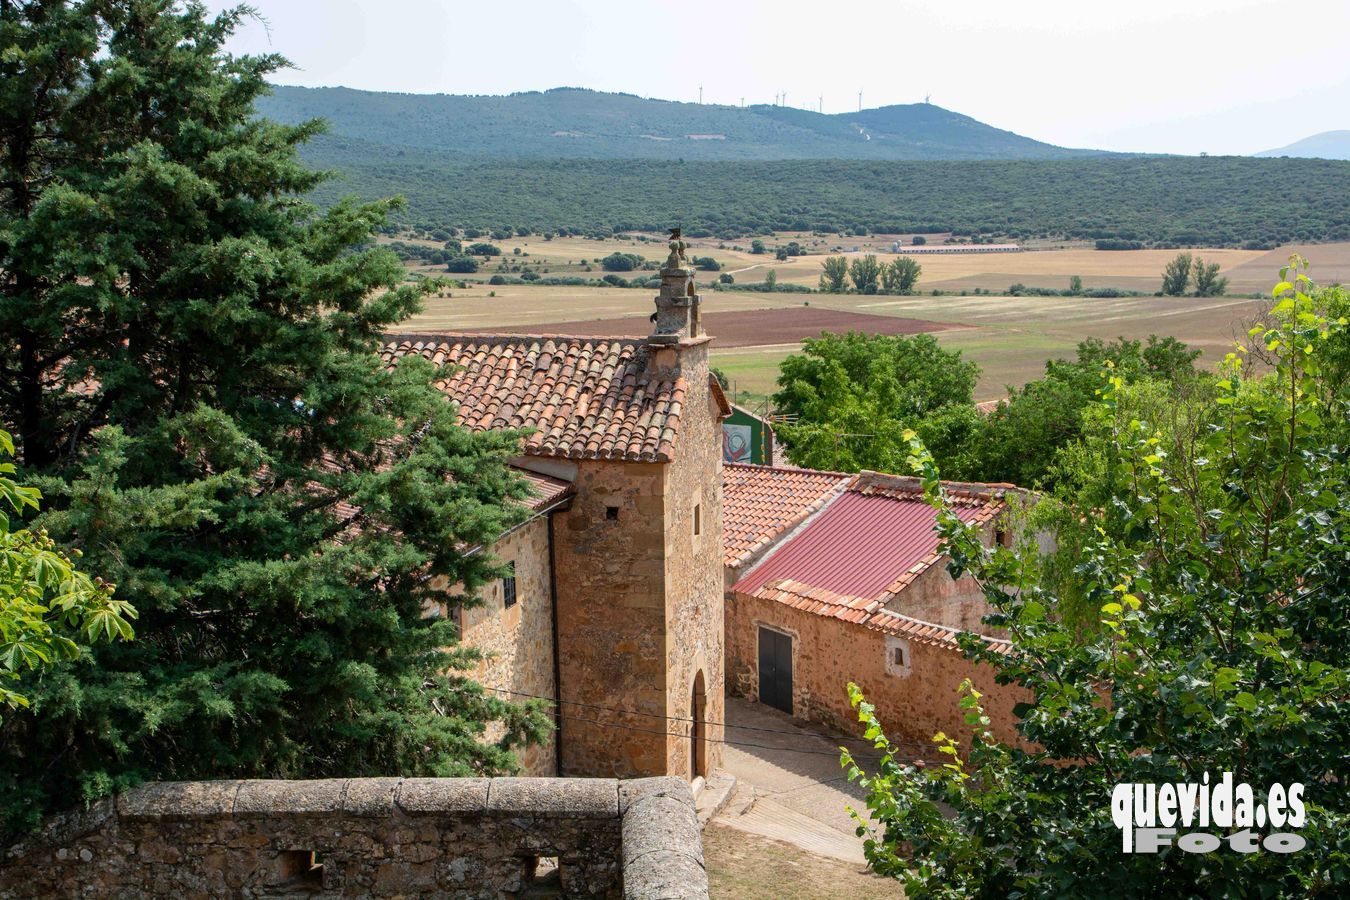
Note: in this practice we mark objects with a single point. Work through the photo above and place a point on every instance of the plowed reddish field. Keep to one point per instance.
(753, 327)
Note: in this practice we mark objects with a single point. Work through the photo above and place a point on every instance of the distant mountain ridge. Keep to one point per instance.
(574, 123)
(1326, 145)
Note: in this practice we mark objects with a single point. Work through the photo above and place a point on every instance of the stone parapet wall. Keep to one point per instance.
(371, 837)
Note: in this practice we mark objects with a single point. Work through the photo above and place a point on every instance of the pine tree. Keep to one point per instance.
(194, 386)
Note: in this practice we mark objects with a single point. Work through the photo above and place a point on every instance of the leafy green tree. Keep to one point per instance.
(1021, 437)
(461, 264)
(1075, 286)
(865, 273)
(46, 604)
(757, 246)
(834, 275)
(900, 275)
(770, 279)
(481, 249)
(621, 262)
(1207, 280)
(919, 240)
(1216, 563)
(1177, 275)
(193, 379)
(854, 394)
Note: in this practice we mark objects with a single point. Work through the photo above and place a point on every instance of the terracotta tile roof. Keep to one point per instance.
(866, 545)
(545, 490)
(584, 398)
(893, 623)
(760, 503)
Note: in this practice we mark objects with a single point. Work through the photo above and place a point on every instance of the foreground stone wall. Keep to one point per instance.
(372, 837)
(913, 702)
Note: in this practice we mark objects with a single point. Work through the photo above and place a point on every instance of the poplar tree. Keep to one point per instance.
(191, 376)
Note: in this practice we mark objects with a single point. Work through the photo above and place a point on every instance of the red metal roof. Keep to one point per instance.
(857, 547)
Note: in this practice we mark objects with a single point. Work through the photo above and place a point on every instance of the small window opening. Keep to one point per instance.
(1002, 537)
(898, 657)
(544, 870)
(302, 868)
(509, 586)
(698, 519)
(612, 513)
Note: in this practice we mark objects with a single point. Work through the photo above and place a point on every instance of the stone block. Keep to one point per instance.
(453, 796)
(634, 789)
(178, 800)
(265, 798)
(370, 796)
(548, 798)
(665, 875)
(661, 823)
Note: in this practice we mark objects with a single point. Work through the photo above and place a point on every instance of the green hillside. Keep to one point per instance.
(1211, 201)
(570, 122)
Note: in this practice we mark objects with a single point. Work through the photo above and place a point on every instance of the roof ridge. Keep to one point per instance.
(507, 337)
(913, 621)
(795, 470)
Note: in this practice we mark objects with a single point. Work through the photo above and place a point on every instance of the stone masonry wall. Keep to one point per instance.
(372, 837)
(609, 549)
(913, 703)
(695, 618)
(518, 641)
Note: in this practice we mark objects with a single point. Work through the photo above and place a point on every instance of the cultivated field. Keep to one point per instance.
(1010, 337)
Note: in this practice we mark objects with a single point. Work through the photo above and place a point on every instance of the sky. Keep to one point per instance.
(1174, 76)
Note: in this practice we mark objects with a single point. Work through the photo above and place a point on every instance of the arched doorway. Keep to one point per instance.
(698, 732)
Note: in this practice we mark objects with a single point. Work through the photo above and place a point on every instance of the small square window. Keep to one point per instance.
(1002, 537)
(301, 869)
(698, 519)
(509, 586)
(898, 657)
(612, 513)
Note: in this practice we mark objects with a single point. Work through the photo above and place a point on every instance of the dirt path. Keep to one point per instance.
(743, 866)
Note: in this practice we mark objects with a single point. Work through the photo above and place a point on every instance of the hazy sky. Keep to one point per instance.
(1185, 76)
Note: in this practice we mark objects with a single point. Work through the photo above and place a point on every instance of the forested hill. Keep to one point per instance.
(575, 123)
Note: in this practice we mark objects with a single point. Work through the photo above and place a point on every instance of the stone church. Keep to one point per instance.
(614, 601)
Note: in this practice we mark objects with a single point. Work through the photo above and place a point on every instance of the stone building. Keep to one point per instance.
(833, 578)
(615, 604)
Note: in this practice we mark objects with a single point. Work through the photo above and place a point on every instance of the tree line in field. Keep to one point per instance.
(1159, 202)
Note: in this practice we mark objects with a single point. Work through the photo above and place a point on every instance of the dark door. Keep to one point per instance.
(775, 670)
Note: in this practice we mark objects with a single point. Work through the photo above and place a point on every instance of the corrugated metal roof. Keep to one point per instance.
(857, 547)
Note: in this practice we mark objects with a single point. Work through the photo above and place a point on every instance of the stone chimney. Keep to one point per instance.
(677, 306)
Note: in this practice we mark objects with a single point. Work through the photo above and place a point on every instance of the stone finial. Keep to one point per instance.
(677, 246)
(677, 305)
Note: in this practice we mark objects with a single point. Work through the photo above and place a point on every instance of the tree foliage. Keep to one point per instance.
(853, 394)
(1216, 560)
(46, 603)
(194, 387)
(900, 275)
(834, 274)
(1177, 275)
(865, 273)
(1208, 283)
